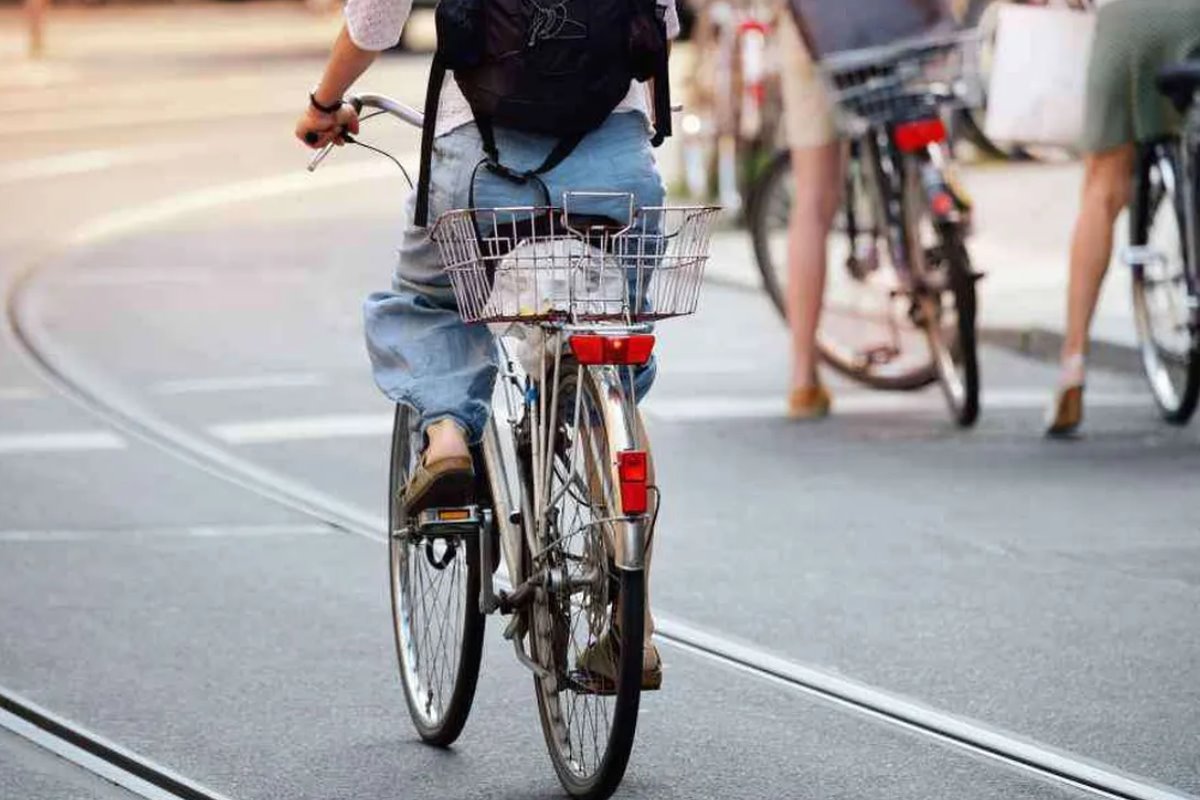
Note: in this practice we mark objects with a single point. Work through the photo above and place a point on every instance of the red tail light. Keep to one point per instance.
(912, 136)
(634, 473)
(592, 349)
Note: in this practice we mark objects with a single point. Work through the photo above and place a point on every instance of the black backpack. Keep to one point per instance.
(551, 67)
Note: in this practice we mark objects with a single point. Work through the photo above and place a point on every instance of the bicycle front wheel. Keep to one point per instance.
(1164, 293)
(438, 626)
(587, 623)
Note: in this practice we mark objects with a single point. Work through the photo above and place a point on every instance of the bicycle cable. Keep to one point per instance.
(347, 138)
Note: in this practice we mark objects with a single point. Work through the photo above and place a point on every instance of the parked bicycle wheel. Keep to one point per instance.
(435, 606)
(866, 333)
(591, 610)
(944, 300)
(1164, 289)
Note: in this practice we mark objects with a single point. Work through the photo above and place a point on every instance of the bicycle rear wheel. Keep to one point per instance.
(943, 298)
(589, 719)
(1164, 292)
(435, 606)
(865, 330)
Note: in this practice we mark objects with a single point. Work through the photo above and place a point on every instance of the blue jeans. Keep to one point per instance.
(422, 353)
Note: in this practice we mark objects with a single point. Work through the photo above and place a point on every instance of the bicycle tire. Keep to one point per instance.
(450, 688)
(769, 210)
(551, 642)
(1175, 394)
(957, 358)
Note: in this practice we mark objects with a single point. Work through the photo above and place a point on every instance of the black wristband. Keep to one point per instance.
(332, 109)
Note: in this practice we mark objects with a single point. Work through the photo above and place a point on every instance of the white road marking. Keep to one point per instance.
(20, 393)
(236, 383)
(136, 219)
(84, 161)
(60, 442)
(699, 409)
(294, 429)
(195, 532)
(121, 277)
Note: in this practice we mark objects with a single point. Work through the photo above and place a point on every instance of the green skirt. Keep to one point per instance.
(1134, 39)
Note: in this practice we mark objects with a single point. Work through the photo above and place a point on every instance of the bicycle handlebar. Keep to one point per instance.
(381, 102)
(401, 111)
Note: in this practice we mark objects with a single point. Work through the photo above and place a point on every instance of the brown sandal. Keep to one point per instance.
(446, 483)
(1066, 415)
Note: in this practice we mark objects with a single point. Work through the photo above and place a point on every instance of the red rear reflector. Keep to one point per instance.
(633, 472)
(942, 204)
(912, 136)
(592, 349)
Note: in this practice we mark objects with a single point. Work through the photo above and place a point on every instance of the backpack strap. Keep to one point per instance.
(437, 76)
(662, 100)
(558, 154)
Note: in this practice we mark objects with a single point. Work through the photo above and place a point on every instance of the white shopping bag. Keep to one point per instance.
(1038, 76)
(563, 274)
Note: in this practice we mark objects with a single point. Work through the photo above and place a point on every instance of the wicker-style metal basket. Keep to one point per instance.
(904, 81)
(538, 264)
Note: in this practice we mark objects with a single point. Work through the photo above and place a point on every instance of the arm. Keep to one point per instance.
(371, 26)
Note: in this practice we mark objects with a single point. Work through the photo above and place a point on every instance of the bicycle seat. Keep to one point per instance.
(1180, 82)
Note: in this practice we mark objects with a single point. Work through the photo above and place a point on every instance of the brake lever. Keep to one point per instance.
(324, 151)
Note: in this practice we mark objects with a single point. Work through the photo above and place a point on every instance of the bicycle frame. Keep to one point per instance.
(516, 518)
(892, 170)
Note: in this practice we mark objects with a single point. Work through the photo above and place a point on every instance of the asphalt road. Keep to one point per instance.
(1048, 589)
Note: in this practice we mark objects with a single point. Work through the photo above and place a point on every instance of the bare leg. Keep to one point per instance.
(817, 174)
(1106, 190)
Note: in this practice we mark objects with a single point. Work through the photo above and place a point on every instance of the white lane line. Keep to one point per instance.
(238, 383)
(699, 409)
(60, 442)
(294, 429)
(83, 161)
(139, 218)
(192, 532)
(20, 393)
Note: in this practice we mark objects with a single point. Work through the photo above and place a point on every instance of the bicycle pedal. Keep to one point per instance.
(1134, 256)
(454, 520)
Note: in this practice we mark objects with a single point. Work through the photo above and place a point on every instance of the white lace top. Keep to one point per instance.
(376, 25)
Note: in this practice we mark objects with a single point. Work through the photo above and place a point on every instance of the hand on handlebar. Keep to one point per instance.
(316, 130)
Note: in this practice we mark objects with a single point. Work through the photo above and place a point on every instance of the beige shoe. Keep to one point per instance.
(445, 483)
(596, 667)
(1066, 415)
(811, 402)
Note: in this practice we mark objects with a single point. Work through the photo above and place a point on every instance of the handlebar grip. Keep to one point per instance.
(312, 137)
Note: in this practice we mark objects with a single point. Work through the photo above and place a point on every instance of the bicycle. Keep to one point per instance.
(1164, 236)
(901, 315)
(567, 499)
(734, 93)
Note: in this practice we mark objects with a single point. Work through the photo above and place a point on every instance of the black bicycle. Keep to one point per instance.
(901, 314)
(1163, 252)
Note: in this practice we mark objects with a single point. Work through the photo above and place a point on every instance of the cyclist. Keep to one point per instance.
(422, 353)
(1132, 41)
